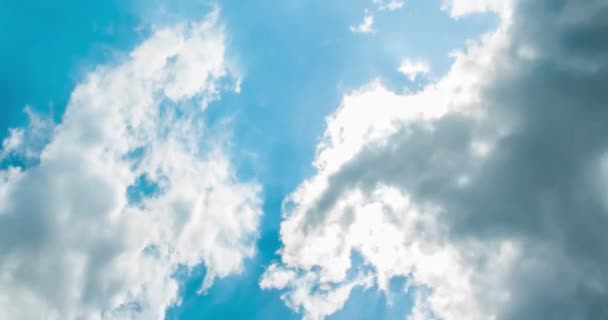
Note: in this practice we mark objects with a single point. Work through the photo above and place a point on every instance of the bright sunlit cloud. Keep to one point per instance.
(374, 159)
(81, 237)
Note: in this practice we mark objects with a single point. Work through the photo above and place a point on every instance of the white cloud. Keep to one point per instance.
(72, 243)
(318, 301)
(413, 68)
(366, 26)
(471, 188)
(26, 143)
(390, 5)
(394, 235)
(460, 8)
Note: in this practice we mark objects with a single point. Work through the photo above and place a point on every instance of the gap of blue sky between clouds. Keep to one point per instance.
(296, 62)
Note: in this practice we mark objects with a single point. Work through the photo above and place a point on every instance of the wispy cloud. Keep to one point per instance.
(390, 5)
(412, 68)
(366, 26)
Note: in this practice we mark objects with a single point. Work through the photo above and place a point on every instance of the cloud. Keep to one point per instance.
(485, 189)
(26, 143)
(390, 5)
(74, 242)
(413, 68)
(460, 8)
(366, 26)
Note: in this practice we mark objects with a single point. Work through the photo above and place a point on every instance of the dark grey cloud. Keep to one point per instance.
(543, 185)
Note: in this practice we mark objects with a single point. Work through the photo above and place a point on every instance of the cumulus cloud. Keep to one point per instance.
(128, 189)
(486, 189)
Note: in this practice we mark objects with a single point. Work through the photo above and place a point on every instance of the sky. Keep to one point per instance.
(362, 159)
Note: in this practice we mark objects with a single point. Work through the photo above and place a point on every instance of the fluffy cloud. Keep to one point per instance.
(25, 143)
(486, 189)
(127, 190)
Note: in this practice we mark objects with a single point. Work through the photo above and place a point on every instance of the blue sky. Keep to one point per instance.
(296, 58)
(346, 159)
